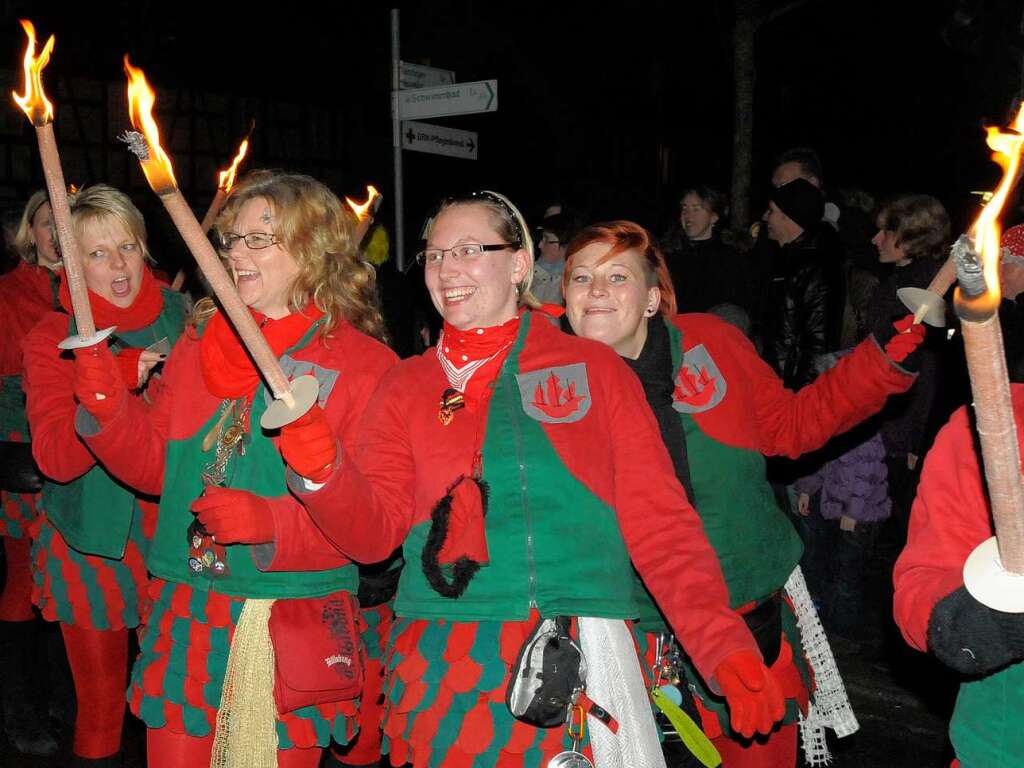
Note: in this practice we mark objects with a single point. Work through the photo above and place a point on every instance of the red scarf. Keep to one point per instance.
(144, 309)
(227, 368)
(460, 349)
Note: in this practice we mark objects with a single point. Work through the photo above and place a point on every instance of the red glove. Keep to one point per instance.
(467, 535)
(232, 516)
(750, 690)
(98, 383)
(901, 346)
(309, 446)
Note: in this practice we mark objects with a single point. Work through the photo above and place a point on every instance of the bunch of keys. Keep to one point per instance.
(576, 727)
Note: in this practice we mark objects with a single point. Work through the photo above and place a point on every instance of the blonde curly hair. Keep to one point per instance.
(319, 233)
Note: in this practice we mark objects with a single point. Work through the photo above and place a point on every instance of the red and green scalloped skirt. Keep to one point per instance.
(89, 591)
(445, 697)
(183, 653)
(17, 510)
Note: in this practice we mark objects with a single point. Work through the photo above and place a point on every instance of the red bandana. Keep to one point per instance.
(227, 368)
(471, 358)
(146, 307)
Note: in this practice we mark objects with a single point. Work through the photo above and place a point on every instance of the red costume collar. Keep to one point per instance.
(228, 371)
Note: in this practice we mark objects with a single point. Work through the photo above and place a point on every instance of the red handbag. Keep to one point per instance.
(318, 654)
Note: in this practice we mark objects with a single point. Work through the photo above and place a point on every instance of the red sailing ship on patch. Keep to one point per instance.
(558, 401)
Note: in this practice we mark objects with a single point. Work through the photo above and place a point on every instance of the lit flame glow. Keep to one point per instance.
(141, 98)
(34, 103)
(361, 209)
(227, 178)
(1006, 147)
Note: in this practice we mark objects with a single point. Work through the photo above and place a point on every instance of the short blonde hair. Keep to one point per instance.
(99, 202)
(24, 241)
(319, 233)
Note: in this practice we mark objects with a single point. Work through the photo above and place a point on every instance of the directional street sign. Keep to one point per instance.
(454, 99)
(439, 140)
(422, 76)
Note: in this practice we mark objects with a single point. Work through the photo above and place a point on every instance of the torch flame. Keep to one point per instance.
(360, 209)
(34, 103)
(227, 178)
(141, 98)
(1006, 147)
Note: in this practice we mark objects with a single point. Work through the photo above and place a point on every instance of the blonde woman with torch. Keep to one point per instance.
(231, 544)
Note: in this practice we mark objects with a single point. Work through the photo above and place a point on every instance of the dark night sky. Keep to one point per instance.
(892, 94)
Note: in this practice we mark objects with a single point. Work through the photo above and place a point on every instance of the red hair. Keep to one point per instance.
(626, 236)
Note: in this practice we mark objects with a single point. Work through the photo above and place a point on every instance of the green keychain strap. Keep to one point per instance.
(691, 734)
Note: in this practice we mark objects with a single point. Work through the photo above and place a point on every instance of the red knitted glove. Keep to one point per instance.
(309, 446)
(98, 383)
(900, 347)
(128, 362)
(755, 702)
(232, 516)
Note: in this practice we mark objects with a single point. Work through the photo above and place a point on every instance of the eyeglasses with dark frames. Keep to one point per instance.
(432, 257)
(254, 241)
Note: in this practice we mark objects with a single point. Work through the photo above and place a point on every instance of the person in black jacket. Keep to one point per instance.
(805, 311)
(706, 269)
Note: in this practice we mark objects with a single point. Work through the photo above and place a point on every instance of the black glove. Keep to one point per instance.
(973, 638)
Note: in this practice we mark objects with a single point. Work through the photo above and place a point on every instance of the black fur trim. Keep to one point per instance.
(464, 569)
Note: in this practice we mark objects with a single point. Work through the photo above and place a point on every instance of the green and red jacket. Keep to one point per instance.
(735, 411)
(951, 517)
(92, 511)
(580, 482)
(157, 449)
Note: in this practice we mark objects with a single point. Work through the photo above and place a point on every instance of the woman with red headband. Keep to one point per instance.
(505, 461)
(720, 409)
(91, 540)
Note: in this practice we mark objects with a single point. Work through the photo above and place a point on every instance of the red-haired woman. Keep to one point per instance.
(27, 293)
(720, 410)
(520, 469)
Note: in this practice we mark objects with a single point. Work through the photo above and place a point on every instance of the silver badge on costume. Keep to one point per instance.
(700, 386)
(293, 368)
(558, 395)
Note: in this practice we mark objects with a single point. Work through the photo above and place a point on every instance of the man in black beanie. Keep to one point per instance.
(806, 321)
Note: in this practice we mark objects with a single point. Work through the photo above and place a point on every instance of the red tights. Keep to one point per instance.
(778, 751)
(16, 601)
(99, 667)
(166, 749)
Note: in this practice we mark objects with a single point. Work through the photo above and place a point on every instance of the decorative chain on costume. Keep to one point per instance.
(246, 731)
(830, 706)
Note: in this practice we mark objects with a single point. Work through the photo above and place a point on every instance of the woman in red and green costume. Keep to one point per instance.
(224, 530)
(720, 410)
(520, 469)
(90, 541)
(27, 293)
(935, 612)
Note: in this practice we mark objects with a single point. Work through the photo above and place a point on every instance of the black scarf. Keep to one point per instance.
(654, 368)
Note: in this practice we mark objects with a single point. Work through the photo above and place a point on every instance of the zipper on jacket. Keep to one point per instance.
(520, 459)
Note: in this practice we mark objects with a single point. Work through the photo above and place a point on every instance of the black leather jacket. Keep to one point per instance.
(807, 306)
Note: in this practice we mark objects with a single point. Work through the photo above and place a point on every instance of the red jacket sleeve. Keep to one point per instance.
(681, 570)
(949, 518)
(132, 444)
(366, 507)
(792, 423)
(50, 403)
(298, 545)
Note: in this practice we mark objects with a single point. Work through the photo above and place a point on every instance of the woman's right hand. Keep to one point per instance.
(98, 384)
(309, 446)
(803, 504)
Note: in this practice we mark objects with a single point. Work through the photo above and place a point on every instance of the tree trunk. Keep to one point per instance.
(743, 104)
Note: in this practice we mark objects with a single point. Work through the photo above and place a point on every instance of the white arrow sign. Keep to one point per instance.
(439, 140)
(422, 76)
(454, 99)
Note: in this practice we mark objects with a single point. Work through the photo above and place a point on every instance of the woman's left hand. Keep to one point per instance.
(232, 516)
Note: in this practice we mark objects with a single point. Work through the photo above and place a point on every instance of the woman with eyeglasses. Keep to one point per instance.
(27, 293)
(91, 539)
(720, 409)
(520, 470)
(236, 561)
